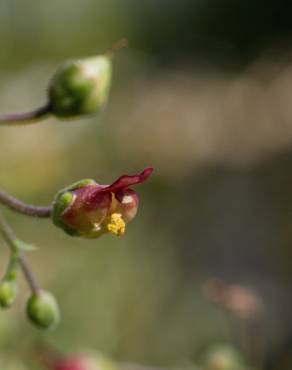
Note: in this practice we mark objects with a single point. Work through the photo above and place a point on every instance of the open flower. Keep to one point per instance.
(91, 210)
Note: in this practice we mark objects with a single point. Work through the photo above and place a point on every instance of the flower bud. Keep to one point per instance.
(89, 360)
(42, 309)
(8, 293)
(80, 87)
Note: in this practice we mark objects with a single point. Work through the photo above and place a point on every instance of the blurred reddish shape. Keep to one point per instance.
(237, 299)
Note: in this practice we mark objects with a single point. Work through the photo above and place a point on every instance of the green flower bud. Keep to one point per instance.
(43, 310)
(8, 293)
(224, 357)
(80, 87)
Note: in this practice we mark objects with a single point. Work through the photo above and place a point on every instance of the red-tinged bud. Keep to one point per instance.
(81, 362)
(91, 210)
(71, 364)
(85, 360)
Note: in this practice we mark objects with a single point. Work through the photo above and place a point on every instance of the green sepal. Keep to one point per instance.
(63, 200)
(77, 185)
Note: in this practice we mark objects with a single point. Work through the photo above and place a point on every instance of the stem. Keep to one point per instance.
(25, 118)
(8, 234)
(28, 274)
(11, 269)
(26, 209)
(11, 239)
(122, 43)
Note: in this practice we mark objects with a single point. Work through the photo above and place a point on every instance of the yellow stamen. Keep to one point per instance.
(116, 225)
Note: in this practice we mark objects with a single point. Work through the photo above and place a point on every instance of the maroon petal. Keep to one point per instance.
(125, 181)
(89, 207)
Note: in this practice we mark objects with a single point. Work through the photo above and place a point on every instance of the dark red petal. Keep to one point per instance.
(125, 181)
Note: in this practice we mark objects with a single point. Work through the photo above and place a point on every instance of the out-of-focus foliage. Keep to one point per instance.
(218, 206)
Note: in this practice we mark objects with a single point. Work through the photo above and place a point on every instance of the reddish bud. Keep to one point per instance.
(86, 360)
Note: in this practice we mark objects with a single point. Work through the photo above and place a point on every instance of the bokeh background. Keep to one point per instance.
(202, 94)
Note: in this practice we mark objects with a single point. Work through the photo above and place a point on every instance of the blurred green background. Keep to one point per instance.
(202, 94)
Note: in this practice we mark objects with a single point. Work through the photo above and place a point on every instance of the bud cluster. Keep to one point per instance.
(86, 208)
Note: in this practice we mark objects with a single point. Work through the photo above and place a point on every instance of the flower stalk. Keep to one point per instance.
(16, 256)
(23, 208)
(26, 118)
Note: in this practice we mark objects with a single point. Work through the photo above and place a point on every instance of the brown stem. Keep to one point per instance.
(25, 118)
(26, 209)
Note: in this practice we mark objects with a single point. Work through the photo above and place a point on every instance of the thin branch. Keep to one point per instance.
(26, 209)
(25, 118)
(11, 239)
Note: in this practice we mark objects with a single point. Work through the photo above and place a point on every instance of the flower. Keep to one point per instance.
(91, 210)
